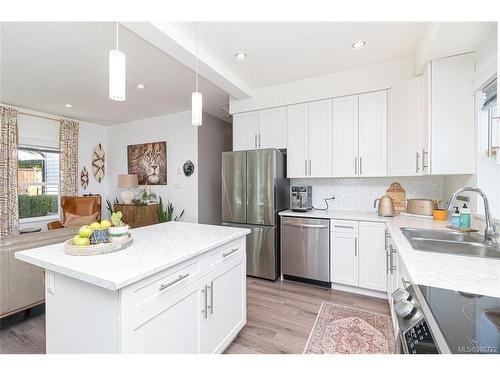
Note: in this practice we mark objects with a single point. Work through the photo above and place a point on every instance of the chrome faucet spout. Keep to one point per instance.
(490, 233)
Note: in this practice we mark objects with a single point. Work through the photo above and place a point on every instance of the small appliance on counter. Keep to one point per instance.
(420, 206)
(385, 206)
(301, 198)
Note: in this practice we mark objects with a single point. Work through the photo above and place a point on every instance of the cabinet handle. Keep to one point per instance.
(416, 162)
(255, 140)
(391, 262)
(360, 165)
(205, 310)
(405, 283)
(355, 246)
(211, 287)
(259, 139)
(343, 226)
(309, 167)
(305, 167)
(355, 165)
(386, 260)
(423, 159)
(229, 253)
(179, 278)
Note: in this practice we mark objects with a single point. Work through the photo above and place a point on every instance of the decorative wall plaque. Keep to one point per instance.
(84, 178)
(98, 163)
(188, 168)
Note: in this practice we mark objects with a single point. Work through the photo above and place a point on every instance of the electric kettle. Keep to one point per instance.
(385, 206)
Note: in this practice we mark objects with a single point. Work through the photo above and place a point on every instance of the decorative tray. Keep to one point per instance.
(97, 249)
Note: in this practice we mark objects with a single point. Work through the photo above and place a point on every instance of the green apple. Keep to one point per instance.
(105, 224)
(95, 225)
(79, 241)
(85, 231)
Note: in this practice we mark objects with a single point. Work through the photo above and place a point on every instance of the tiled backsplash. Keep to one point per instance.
(359, 193)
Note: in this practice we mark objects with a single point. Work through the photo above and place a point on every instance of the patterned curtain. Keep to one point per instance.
(9, 210)
(68, 158)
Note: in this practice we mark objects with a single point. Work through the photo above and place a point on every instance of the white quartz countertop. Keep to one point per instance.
(456, 272)
(155, 248)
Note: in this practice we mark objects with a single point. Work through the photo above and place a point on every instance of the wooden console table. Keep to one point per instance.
(138, 216)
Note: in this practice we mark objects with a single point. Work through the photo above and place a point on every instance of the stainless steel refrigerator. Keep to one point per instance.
(254, 190)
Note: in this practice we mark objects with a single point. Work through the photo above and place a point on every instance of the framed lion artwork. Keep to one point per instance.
(149, 162)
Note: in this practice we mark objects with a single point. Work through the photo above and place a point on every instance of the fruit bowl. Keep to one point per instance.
(101, 248)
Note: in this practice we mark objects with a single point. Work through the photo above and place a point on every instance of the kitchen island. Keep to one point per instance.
(180, 288)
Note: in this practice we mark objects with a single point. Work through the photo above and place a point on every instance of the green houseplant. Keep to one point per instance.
(165, 215)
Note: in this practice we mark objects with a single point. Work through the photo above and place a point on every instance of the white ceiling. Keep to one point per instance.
(289, 51)
(46, 65)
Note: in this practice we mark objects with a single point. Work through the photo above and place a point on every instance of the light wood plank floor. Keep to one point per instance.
(280, 316)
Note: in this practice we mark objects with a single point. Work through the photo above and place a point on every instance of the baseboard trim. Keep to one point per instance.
(357, 290)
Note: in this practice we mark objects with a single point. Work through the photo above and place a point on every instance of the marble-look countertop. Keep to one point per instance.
(155, 248)
(456, 272)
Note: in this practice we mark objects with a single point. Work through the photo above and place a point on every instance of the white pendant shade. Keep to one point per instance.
(117, 75)
(196, 108)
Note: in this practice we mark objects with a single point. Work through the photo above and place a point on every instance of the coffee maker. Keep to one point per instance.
(301, 198)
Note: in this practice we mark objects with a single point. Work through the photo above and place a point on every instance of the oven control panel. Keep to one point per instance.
(418, 339)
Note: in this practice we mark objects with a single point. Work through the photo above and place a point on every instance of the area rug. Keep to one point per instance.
(346, 330)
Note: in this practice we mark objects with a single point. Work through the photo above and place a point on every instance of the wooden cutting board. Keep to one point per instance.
(398, 195)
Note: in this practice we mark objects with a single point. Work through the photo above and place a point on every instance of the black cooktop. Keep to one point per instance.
(470, 323)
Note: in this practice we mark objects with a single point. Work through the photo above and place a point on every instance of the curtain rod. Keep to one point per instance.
(39, 116)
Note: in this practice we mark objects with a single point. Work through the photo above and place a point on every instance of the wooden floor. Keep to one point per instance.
(280, 316)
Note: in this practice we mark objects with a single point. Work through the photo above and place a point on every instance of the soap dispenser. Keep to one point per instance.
(455, 219)
(465, 217)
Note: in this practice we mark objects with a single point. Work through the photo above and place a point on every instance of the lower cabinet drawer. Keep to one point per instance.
(225, 254)
(146, 293)
(344, 226)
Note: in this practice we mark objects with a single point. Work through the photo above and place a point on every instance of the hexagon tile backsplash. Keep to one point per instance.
(359, 193)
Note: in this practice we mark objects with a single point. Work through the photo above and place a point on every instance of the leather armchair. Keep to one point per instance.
(82, 206)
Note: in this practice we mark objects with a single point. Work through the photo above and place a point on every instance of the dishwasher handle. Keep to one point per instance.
(318, 226)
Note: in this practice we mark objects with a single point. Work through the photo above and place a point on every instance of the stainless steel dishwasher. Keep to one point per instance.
(305, 250)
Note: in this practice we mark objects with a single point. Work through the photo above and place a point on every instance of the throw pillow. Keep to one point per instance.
(73, 220)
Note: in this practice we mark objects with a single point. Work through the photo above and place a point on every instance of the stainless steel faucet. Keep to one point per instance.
(490, 233)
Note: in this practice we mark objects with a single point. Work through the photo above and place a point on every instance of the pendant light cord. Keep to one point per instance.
(196, 54)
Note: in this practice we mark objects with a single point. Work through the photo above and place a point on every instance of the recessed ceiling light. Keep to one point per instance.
(240, 56)
(68, 105)
(359, 44)
(140, 86)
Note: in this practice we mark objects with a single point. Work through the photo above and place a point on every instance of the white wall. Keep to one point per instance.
(365, 79)
(212, 141)
(181, 138)
(359, 193)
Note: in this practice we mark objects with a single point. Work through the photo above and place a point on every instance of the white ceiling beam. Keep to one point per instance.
(168, 39)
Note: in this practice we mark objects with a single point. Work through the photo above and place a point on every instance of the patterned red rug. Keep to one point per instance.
(345, 330)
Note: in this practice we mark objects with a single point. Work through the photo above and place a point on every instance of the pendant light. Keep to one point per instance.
(196, 97)
(117, 73)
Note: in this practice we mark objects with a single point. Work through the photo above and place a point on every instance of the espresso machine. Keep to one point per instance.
(301, 198)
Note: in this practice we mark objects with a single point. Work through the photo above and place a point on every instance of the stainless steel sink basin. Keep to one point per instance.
(449, 242)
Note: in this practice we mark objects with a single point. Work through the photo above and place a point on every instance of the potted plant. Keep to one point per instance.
(167, 215)
(438, 213)
(119, 230)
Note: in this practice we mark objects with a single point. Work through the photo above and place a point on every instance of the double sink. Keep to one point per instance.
(450, 242)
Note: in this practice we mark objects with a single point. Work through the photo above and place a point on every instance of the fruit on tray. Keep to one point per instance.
(85, 231)
(95, 225)
(105, 224)
(81, 241)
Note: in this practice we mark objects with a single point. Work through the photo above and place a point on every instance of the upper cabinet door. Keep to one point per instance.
(405, 129)
(452, 115)
(373, 134)
(320, 139)
(345, 136)
(297, 140)
(245, 131)
(272, 128)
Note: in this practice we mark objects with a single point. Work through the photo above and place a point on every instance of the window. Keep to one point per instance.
(38, 182)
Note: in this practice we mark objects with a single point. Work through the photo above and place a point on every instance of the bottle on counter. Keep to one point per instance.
(455, 219)
(465, 217)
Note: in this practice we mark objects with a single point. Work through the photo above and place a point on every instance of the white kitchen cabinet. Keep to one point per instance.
(371, 262)
(344, 258)
(309, 139)
(451, 115)
(297, 140)
(174, 326)
(260, 129)
(357, 255)
(272, 128)
(245, 130)
(320, 139)
(405, 129)
(227, 308)
(345, 136)
(373, 134)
